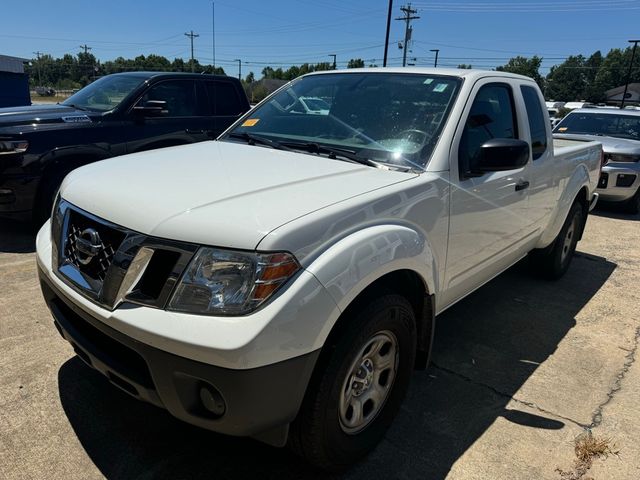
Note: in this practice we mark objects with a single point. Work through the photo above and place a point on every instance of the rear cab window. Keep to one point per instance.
(537, 123)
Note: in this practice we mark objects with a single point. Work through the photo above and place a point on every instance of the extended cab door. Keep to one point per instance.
(184, 120)
(489, 225)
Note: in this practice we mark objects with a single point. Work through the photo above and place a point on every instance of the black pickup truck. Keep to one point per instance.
(115, 115)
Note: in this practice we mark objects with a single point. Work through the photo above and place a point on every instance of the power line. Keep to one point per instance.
(85, 48)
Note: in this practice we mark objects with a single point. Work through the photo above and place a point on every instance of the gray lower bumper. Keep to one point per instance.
(258, 402)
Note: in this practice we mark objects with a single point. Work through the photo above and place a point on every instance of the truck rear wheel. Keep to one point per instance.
(359, 385)
(552, 262)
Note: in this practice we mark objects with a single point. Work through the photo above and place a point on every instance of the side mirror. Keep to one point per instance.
(499, 154)
(151, 108)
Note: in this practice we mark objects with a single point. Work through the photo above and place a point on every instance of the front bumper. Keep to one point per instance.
(618, 183)
(258, 402)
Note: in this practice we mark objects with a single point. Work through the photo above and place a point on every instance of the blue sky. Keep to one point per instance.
(484, 33)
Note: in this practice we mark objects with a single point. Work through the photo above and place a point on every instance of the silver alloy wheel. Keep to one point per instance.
(568, 239)
(368, 382)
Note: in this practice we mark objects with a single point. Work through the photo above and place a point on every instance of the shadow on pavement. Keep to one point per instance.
(16, 237)
(614, 210)
(486, 348)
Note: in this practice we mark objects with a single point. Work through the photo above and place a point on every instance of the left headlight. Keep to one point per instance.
(13, 146)
(227, 282)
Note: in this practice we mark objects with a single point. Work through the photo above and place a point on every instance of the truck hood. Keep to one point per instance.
(217, 193)
(44, 114)
(609, 144)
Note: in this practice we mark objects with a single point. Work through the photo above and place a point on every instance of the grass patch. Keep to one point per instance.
(587, 448)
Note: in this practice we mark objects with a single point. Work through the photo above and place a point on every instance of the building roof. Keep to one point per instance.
(614, 91)
(12, 64)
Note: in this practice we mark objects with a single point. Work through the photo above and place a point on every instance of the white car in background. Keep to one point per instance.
(619, 132)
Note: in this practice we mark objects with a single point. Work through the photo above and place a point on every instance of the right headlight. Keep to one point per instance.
(227, 282)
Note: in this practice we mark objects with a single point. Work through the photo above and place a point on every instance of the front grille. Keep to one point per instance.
(110, 240)
(625, 179)
(93, 256)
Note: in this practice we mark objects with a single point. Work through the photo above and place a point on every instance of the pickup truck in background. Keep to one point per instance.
(117, 114)
(619, 132)
(286, 288)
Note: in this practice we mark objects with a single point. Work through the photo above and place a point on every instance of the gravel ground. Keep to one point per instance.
(521, 368)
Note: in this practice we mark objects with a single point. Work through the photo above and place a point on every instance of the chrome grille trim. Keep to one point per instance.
(112, 276)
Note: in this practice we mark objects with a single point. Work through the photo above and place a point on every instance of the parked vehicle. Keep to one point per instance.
(575, 105)
(619, 132)
(117, 114)
(286, 287)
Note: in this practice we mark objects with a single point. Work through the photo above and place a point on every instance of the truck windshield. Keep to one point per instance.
(610, 125)
(104, 94)
(390, 118)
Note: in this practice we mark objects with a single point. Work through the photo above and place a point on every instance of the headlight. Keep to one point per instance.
(225, 282)
(619, 157)
(13, 146)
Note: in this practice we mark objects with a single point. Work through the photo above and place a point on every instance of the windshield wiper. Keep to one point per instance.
(253, 139)
(334, 153)
(77, 107)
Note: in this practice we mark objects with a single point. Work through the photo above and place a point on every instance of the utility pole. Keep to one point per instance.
(626, 85)
(191, 37)
(37, 54)
(85, 48)
(239, 68)
(386, 38)
(437, 50)
(408, 12)
(334, 59)
(213, 33)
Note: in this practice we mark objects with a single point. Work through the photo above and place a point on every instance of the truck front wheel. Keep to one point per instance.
(359, 385)
(552, 262)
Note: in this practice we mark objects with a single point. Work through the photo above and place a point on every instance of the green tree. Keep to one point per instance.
(524, 66)
(465, 66)
(567, 81)
(355, 63)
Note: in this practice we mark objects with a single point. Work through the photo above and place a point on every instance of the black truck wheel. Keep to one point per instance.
(359, 385)
(552, 262)
(46, 196)
(633, 204)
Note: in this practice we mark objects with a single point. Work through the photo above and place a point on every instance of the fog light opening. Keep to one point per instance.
(212, 400)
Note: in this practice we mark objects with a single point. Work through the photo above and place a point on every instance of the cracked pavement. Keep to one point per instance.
(520, 368)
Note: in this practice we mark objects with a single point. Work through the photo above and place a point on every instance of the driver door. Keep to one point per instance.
(488, 224)
(183, 121)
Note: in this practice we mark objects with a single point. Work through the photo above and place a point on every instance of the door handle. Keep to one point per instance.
(521, 185)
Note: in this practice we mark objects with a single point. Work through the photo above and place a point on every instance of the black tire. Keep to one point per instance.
(633, 204)
(552, 262)
(319, 434)
(46, 196)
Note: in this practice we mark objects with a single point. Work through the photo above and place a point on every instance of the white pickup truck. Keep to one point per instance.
(283, 281)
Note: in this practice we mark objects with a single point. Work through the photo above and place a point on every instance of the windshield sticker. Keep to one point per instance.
(441, 87)
(428, 81)
(250, 122)
(76, 119)
(562, 129)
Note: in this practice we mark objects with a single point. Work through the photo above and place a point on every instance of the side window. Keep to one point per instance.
(492, 115)
(180, 96)
(223, 98)
(537, 124)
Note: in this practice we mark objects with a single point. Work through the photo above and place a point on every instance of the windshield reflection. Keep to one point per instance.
(390, 118)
